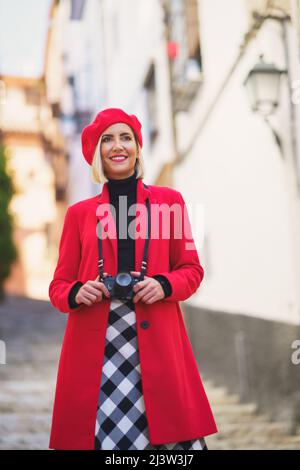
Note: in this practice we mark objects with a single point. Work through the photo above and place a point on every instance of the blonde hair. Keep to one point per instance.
(98, 175)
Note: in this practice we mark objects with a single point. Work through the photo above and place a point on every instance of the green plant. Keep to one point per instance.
(8, 252)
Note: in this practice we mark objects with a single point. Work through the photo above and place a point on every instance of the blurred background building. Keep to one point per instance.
(35, 145)
(215, 85)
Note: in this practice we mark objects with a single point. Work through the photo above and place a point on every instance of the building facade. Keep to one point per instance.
(36, 151)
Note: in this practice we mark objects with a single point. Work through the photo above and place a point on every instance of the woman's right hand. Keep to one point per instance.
(92, 292)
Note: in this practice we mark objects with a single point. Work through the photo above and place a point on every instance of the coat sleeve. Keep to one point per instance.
(186, 272)
(66, 272)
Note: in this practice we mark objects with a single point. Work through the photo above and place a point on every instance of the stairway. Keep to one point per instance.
(242, 428)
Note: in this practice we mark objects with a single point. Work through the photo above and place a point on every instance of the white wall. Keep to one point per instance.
(240, 177)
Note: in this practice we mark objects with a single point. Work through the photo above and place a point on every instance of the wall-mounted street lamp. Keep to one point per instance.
(263, 87)
(262, 84)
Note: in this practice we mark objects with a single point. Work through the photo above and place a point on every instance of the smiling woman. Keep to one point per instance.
(128, 379)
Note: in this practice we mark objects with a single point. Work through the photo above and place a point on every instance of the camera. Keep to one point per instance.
(121, 286)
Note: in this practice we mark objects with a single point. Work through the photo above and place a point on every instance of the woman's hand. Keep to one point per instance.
(92, 292)
(149, 290)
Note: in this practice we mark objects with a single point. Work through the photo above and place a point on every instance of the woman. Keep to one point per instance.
(127, 377)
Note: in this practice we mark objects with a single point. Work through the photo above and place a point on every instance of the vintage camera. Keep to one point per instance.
(121, 286)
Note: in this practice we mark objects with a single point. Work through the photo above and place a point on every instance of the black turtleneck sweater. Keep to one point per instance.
(126, 244)
(126, 189)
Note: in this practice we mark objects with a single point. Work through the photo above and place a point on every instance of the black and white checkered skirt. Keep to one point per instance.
(121, 422)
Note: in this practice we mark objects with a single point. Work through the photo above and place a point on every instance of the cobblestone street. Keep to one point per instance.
(33, 331)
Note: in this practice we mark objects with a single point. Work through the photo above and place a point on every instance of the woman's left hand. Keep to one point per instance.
(149, 290)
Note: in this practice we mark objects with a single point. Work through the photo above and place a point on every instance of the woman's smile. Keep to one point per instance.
(118, 158)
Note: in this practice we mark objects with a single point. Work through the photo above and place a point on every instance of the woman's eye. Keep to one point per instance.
(126, 137)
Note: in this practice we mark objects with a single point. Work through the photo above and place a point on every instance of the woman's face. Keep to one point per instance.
(118, 151)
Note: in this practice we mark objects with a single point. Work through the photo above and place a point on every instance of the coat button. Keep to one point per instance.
(145, 324)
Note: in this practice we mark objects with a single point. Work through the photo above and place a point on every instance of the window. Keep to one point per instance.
(185, 32)
(150, 87)
(187, 65)
(77, 9)
(192, 30)
(32, 96)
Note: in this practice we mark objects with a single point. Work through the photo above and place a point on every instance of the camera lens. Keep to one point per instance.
(123, 285)
(123, 279)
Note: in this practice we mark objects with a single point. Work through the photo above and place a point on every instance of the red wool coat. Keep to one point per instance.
(176, 405)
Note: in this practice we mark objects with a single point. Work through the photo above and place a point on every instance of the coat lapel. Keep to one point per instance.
(142, 193)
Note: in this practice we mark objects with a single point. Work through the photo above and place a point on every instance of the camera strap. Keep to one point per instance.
(144, 262)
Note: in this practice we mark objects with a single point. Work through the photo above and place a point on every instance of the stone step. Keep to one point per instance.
(262, 429)
(236, 445)
(254, 439)
(220, 396)
(27, 395)
(19, 441)
(235, 419)
(287, 439)
(25, 403)
(27, 386)
(25, 423)
(234, 409)
(28, 372)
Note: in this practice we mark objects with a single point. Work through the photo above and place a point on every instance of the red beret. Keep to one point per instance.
(91, 133)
